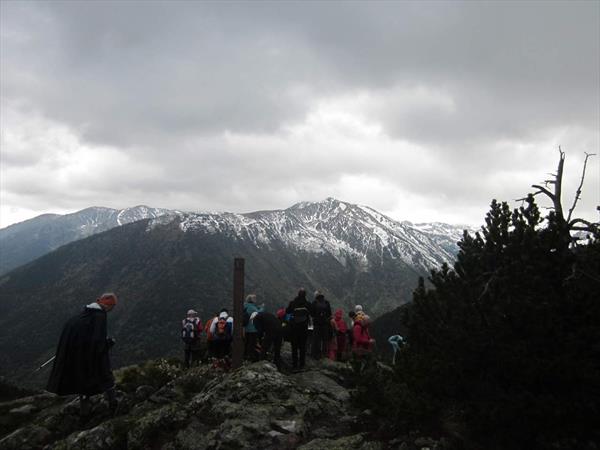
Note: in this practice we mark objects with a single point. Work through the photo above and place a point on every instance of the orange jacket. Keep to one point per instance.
(207, 328)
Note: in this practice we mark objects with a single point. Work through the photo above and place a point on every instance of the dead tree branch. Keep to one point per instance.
(588, 226)
(558, 186)
(557, 183)
(543, 190)
(553, 193)
(578, 192)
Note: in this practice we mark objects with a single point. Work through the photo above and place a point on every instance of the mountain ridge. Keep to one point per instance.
(23, 242)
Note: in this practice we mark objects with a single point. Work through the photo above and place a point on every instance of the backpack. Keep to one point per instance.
(245, 318)
(189, 332)
(222, 330)
(300, 316)
(321, 309)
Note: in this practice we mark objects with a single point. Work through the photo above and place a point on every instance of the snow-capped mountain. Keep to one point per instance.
(98, 217)
(341, 229)
(25, 241)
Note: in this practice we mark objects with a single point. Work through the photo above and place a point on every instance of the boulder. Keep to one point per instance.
(31, 437)
(153, 426)
(107, 436)
(356, 441)
(255, 406)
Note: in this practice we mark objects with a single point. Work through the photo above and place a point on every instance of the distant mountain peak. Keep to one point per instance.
(342, 229)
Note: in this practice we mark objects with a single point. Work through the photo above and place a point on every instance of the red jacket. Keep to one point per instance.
(339, 321)
(362, 339)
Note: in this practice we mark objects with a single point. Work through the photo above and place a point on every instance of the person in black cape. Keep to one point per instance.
(82, 363)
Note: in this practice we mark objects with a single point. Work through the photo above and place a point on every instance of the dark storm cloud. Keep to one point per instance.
(458, 90)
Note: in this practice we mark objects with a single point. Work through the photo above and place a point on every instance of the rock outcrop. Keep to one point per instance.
(252, 407)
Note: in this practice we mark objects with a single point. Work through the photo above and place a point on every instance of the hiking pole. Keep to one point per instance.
(45, 364)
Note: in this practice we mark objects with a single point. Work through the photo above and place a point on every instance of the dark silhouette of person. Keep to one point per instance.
(270, 334)
(82, 363)
(321, 312)
(191, 329)
(300, 312)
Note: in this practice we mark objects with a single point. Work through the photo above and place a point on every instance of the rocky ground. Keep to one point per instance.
(165, 407)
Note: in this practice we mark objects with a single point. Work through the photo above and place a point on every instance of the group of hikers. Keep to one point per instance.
(301, 322)
(82, 365)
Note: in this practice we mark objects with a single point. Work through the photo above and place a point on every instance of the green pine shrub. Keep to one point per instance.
(503, 351)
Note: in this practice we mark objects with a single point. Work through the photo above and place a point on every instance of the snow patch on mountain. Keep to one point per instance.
(352, 234)
(343, 230)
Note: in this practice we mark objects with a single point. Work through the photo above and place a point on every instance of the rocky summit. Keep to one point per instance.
(162, 406)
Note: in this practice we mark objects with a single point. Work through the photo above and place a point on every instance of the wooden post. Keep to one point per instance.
(238, 306)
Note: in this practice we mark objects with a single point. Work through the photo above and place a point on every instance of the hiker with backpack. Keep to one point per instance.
(363, 343)
(82, 363)
(299, 310)
(191, 328)
(270, 334)
(322, 326)
(250, 333)
(284, 319)
(221, 330)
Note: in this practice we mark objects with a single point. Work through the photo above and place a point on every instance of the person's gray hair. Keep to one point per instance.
(251, 298)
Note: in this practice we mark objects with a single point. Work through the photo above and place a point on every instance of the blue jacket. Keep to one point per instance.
(250, 308)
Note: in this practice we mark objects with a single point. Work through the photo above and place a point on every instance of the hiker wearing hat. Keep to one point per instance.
(82, 364)
(362, 342)
(191, 329)
(221, 330)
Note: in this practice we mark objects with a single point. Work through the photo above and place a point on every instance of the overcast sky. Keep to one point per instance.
(425, 111)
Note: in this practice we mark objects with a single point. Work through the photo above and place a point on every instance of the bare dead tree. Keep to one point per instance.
(552, 189)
